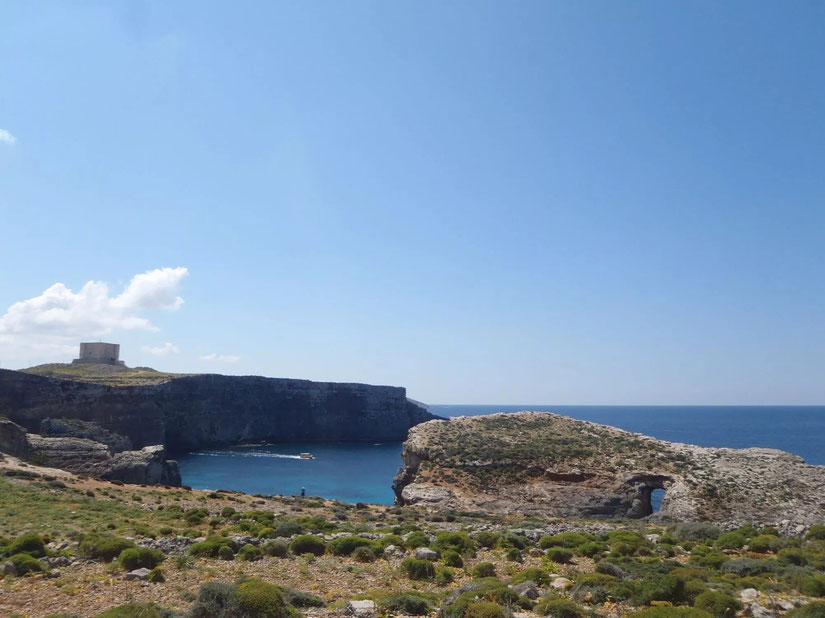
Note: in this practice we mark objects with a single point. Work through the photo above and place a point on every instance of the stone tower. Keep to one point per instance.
(100, 354)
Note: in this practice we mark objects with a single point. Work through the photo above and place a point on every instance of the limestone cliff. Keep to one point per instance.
(539, 463)
(194, 411)
(147, 466)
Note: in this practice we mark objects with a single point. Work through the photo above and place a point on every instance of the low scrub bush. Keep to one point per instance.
(792, 556)
(456, 541)
(592, 588)
(695, 531)
(748, 567)
(813, 586)
(26, 563)
(363, 554)
(215, 600)
(559, 554)
(533, 574)
(134, 610)
(409, 603)
(559, 608)
(308, 544)
(653, 588)
(452, 559)
(30, 543)
(514, 555)
(731, 540)
(484, 569)
(487, 539)
(418, 569)
(671, 612)
(816, 533)
(444, 576)
(211, 547)
(811, 610)
(103, 546)
(416, 539)
(133, 558)
(225, 553)
(484, 609)
(345, 545)
(299, 598)
(717, 604)
(156, 576)
(260, 598)
(276, 548)
(511, 539)
(249, 553)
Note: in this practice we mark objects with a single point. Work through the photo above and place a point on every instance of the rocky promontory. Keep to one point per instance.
(194, 411)
(81, 455)
(545, 464)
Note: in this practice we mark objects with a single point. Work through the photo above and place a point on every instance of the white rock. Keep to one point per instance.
(560, 583)
(140, 574)
(757, 611)
(362, 608)
(652, 537)
(748, 595)
(422, 553)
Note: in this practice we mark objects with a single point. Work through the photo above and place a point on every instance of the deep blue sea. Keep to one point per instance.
(363, 472)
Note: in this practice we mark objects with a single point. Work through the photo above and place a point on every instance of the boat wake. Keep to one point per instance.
(245, 454)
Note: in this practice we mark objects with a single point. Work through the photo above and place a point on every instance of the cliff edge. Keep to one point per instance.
(540, 463)
(194, 411)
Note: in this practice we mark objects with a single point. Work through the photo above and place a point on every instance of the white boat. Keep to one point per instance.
(306, 456)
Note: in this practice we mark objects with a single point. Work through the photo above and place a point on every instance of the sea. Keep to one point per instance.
(363, 472)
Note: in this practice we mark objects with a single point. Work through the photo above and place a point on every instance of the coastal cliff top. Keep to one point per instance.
(108, 375)
(536, 462)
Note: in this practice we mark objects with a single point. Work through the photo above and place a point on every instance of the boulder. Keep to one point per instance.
(422, 553)
(9, 568)
(527, 589)
(138, 574)
(560, 583)
(748, 595)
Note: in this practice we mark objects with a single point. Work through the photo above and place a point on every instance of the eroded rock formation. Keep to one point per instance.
(539, 463)
(190, 412)
(147, 466)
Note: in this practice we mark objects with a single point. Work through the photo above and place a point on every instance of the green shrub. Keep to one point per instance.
(26, 563)
(748, 567)
(260, 598)
(558, 608)
(363, 554)
(565, 539)
(762, 543)
(225, 553)
(452, 558)
(484, 609)
(418, 569)
(227, 512)
(103, 546)
(792, 556)
(417, 539)
(813, 586)
(717, 604)
(591, 548)
(132, 610)
(156, 576)
(443, 576)
(731, 540)
(514, 555)
(559, 554)
(308, 544)
(811, 610)
(133, 558)
(29, 543)
(487, 539)
(816, 533)
(211, 547)
(690, 531)
(456, 541)
(287, 529)
(652, 588)
(249, 553)
(671, 612)
(276, 548)
(391, 539)
(216, 600)
(484, 569)
(345, 545)
(299, 598)
(511, 539)
(537, 576)
(486, 590)
(592, 588)
(712, 560)
(409, 603)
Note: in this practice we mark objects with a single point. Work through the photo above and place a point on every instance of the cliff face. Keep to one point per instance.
(209, 410)
(538, 463)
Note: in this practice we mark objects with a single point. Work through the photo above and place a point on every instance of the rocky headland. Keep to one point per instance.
(195, 411)
(537, 463)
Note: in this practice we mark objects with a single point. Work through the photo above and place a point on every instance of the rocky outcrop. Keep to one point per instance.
(196, 411)
(539, 463)
(74, 428)
(147, 466)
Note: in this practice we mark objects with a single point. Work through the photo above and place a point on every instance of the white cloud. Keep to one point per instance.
(162, 350)
(7, 137)
(59, 318)
(221, 358)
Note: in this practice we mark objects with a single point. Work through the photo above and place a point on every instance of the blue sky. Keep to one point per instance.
(485, 202)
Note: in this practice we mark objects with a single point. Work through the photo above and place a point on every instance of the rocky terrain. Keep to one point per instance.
(194, 411)
(81, 455)
(538, 463)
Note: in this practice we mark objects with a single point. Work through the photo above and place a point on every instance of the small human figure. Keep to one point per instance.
(303, 491)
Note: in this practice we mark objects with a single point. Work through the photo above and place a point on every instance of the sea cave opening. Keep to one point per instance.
(656, 497)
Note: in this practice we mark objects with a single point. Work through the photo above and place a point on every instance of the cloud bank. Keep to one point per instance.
(49, 324)
(7, 138)
(221, 358)
(162, 350)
